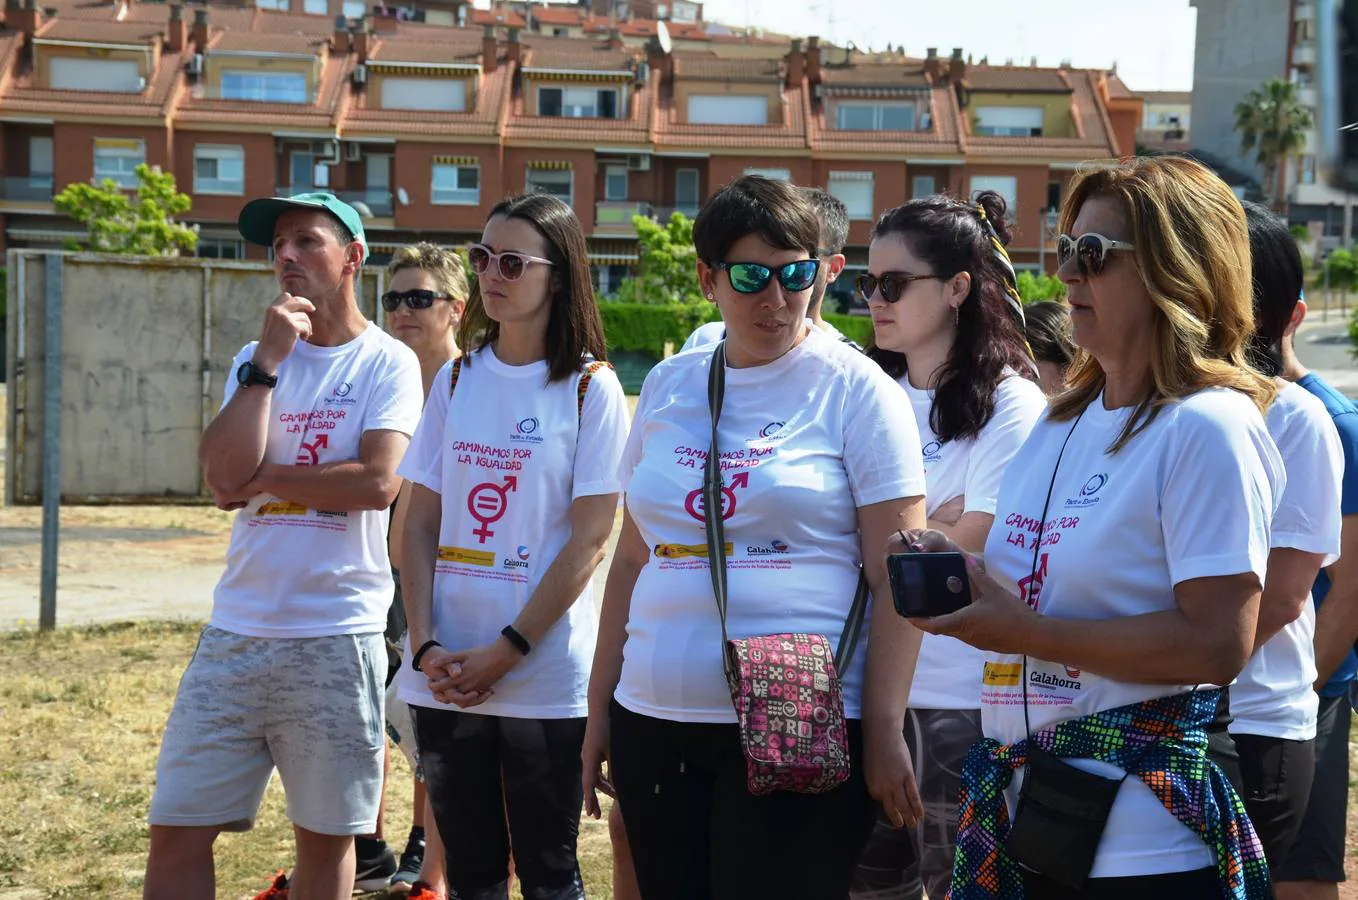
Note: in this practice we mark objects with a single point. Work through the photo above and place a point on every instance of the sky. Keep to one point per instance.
(1150, 40)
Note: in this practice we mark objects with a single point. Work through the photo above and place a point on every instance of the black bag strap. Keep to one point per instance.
(716, 532)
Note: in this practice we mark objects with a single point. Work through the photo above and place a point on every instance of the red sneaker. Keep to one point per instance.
(421, 890)
(276, 891)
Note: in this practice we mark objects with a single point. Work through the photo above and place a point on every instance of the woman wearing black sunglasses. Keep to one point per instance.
(1123, 576)
(514, 471)
(947, 327)
(819, 447)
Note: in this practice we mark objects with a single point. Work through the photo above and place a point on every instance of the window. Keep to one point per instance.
(1308, 168)
(118, 159)
(922, 186)
(279, 5)
(1053, 195)
(354, 9)
(1009, 121)
(441, 94)
(556, 182)
(607, 278)
(40, 159)
(775, 174)
(615, 183)
(727, 110)
(854, 190)
(686, 191)
(1004, 185)
(578, 103)
(218, 170)
(378, 170)
(558, 31)
(456, 185)
(220, 249)
(875, 117)
(301, 171)
(266, 87)
(111, 75)
(316, 7)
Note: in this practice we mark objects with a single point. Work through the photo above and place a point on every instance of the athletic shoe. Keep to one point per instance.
(374, 865)
(276, 891)
(421, 890)
(412, 860)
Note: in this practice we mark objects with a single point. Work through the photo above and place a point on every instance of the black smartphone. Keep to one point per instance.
(924, 585)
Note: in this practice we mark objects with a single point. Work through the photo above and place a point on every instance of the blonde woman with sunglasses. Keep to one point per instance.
(514, 471)
(1122, 579)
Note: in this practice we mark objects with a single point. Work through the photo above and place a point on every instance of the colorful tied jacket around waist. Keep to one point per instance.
(1175, 768)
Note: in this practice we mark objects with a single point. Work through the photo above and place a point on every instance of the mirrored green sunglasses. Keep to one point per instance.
(751, 278)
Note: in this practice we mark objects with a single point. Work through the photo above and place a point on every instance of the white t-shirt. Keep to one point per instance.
(1273, 695)
(948, 675)
(709, 333)
(805, 440)
(293, 572)
(508, 456)
(1191, 496)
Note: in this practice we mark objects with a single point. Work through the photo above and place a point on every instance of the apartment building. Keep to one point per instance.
(425, 127)
(1166, 121)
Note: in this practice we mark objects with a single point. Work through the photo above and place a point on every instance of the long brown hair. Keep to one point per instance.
(1193, 255)
(574, 328)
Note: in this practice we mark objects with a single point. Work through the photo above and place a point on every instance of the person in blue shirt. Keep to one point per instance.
(1315, 866)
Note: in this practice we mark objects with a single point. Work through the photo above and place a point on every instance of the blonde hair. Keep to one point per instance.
(450, 275)
(1193, 255)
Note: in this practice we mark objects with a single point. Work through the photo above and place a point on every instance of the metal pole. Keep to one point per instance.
(51, 441)
(1042, 241)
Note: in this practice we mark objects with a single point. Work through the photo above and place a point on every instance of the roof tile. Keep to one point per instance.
(1016, 79)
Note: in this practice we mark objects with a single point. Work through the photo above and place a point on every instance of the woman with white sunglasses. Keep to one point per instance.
(514, 471)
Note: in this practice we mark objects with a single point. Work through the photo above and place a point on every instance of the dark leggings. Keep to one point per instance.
(697, 833)
(492, 779)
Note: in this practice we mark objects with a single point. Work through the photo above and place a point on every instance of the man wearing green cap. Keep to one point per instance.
(288, 673)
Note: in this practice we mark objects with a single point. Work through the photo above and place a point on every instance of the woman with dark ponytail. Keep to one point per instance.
(947, 324)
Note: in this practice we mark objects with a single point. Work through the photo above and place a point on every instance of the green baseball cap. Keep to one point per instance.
(258, 217)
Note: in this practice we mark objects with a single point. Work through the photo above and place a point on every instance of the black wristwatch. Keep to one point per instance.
(249, 374)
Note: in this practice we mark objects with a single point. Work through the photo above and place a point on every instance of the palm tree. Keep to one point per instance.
(1272, 119)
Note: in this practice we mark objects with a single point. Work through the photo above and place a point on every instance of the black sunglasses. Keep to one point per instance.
(1090, 251)
(751, 278)
(892, 284)
(416, 299)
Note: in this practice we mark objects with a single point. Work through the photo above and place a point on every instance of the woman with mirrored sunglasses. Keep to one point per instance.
(514, 470)
(946, 326)
(820, 448)
(1122, 579)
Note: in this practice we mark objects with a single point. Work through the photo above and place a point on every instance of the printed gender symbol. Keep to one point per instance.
(488, 503)
(309, 454)
(694, 502)
(1030, 586)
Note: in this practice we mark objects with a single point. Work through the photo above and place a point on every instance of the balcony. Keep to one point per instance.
(1304, 54)
(615, 216)
(662, 214)
(1307, 96)
(372, 203)
(1305, 12)
(26, 191)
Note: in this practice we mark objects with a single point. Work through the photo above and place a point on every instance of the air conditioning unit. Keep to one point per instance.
(639, 162)
(353, 151)
(360, 74)
(195, 66)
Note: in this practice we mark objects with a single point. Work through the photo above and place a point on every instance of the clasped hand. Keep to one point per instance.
(466, 678)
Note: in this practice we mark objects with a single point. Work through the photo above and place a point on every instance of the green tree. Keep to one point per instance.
(666, 270)
(139, 224)
(1273, 123)
(1036, 288)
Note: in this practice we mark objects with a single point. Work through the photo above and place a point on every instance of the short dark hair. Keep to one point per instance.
(1278, 279)
(947, 234)
(834, 218)
(1047, 325)
(574, 328)
(752, 204)
(341, 231)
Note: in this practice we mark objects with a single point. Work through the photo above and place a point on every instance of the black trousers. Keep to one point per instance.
(493, 780)
(1273, 776)
(697, 833)
(1203, 884)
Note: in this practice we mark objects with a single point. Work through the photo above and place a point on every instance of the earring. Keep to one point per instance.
(710, 297)
(956, 315)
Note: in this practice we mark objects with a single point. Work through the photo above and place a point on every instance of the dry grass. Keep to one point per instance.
(83, 712)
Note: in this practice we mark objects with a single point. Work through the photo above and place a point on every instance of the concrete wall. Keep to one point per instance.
(146, 344)
(1240, 45)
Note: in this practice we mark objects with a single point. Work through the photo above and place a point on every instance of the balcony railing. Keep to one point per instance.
(662, 214)
(372, 202)
(35, 188)
(1304, 54)
(615, 216)
(304, 96)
